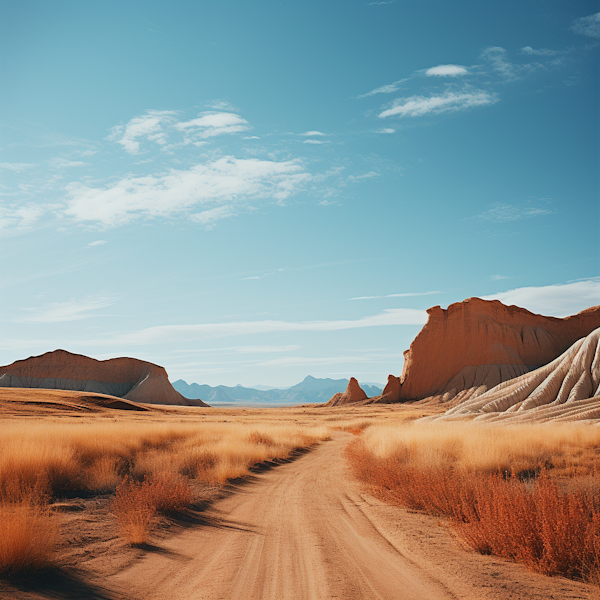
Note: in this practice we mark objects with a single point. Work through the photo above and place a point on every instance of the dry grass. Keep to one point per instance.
(567, 448)
(28, 532)
(147, 464)
(475, 475)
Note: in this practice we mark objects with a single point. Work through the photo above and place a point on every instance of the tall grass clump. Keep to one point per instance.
(517, 513)
(28, 530)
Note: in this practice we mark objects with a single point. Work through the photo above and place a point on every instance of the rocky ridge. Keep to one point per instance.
(128, 378)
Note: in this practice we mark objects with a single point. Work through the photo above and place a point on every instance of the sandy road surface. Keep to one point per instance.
(298, 531)
(304, 531)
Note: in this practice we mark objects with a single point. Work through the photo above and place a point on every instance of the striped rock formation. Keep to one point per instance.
(354, 393)
(474, 345)
(567, 388)
(129, 378)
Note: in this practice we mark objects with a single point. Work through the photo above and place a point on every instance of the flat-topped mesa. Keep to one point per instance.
(128, 378)
(476, 344)
(354, 393)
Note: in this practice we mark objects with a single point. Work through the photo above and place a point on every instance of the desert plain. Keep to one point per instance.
(283, 516)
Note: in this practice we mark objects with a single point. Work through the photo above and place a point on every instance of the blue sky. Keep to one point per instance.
(250, 192)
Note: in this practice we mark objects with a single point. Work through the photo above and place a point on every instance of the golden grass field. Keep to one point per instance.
(493, 482)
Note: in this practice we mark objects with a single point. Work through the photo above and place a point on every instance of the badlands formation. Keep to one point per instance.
(128, 378)
(482, 358)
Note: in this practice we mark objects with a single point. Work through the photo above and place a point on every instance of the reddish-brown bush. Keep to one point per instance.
(550, 532)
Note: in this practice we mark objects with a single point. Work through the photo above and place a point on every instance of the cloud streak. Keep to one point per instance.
(404, 295)
(60, 312)
(418, 106)
(558, 300)
(180, 333)
(225, 180)
(588, 26)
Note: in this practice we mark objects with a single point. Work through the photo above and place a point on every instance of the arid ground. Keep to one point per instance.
(297, 527)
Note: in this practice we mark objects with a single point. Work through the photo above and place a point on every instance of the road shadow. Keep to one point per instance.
(56, 584)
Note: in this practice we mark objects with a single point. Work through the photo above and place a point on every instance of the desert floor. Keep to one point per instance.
(302, 529)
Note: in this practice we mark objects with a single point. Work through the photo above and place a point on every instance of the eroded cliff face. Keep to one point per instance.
(129, 378)
(567, 388)
(477, 344)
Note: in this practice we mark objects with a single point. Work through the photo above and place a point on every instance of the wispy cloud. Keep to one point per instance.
(386, 89)
(63, 163)
(148, 126)
(385, 130)
(540, 51)
(503, 213)
(558, 300)
(74, 310)
(211, 124)
(499, 277)
(312, 133)
(18, 167)
(446, 71)
(96, 243)
(403, 295)
(589, 26)
(211, 216)
(417, 106)
(316, 142)
(180, 333)
(224, 180)
(368, 175)
(16, 219)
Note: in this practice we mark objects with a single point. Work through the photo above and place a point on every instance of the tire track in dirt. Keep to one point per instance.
(296, 531)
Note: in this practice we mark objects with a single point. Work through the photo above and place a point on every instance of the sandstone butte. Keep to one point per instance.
(474, 345)
(128, 378)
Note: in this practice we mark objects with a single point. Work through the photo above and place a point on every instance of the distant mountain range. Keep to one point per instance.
(311, 390)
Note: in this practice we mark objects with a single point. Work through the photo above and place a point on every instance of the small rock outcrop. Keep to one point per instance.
(390, 394)
(568, 388)
(128, 378)
(353, 394)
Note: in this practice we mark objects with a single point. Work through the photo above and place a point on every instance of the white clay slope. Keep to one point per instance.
(568, 388)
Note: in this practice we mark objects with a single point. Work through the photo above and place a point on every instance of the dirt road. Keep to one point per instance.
(304, 531)
(297, 531)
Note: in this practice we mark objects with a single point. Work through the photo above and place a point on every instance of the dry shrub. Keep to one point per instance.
(551, 533)
(169, 492)
(136, 503)
(256, 437)
(102, 475)
(134, 510)
(28, 531)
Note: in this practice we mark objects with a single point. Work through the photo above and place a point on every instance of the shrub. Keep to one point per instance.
(551, 533)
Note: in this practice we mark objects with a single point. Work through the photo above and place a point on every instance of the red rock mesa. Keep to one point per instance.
(128, 378)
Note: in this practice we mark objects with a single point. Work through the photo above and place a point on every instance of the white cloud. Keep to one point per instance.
(368, 175)
(18, 167)
(385, 130)
(60, 312)
(385, 89)
(446, 71)
(15, 219)
(148, 126)
(211, 216)
(316, 142)
(96, 243)
(215, 123)
(224, 180)
(499, 277)
(404, 295)
(417, 106)
(589, 25)
(180, 333)
(540, 52)
(313, 133)
(559, 300)
(63, 163)
(503, 213)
